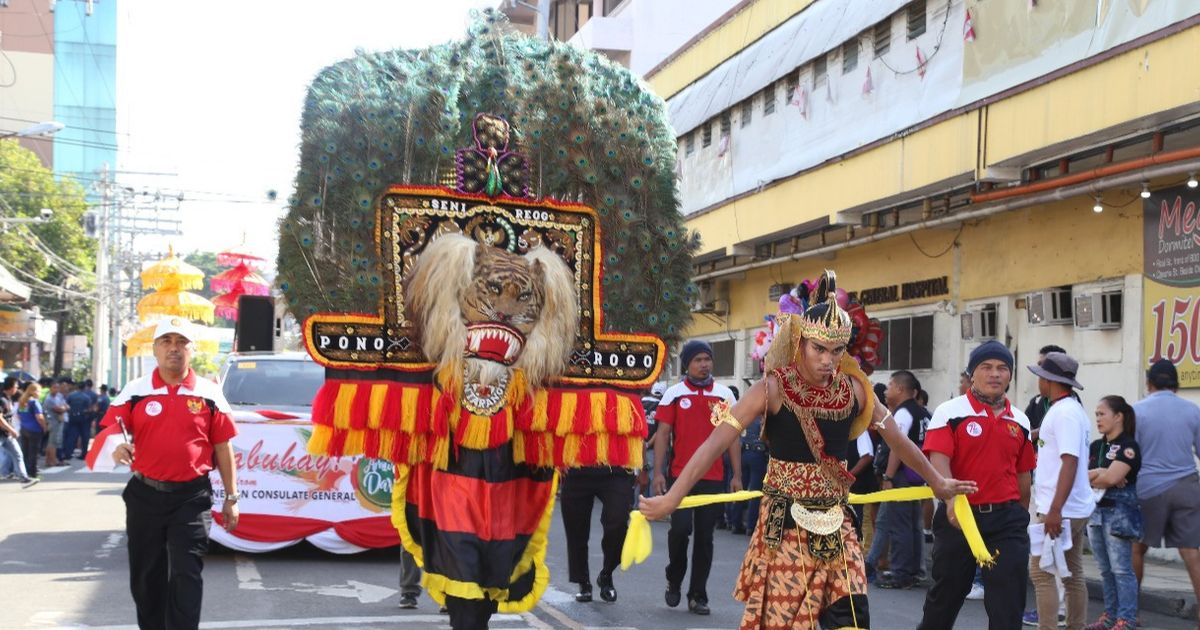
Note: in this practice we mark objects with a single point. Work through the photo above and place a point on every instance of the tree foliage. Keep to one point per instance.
(25, 188)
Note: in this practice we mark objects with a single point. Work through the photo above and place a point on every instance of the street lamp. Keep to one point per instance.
(43, 217)
(47, 128)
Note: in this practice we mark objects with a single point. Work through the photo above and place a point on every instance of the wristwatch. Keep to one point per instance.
(886, 478)
(233, 497)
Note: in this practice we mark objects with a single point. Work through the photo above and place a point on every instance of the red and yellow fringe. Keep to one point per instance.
(409, 423)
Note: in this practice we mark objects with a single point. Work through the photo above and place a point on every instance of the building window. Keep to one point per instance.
(724, 358)
(690, 143)
(706, 134)
(916, 19)
(726, 122)
(747, 111)
(790, 83)
(883, 37)
(769, 100)
(907, 343)
(820, 69)
(850, 56)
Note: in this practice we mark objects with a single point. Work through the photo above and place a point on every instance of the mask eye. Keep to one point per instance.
(494, 287)
(524, 296)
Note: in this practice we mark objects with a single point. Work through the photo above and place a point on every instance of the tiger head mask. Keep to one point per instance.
(482, 312)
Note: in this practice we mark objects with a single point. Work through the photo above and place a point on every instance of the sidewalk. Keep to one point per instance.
(1166, 589)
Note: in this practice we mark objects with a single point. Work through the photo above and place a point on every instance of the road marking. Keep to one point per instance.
(53, 470)
(545, 605)
(250, 579)
(106, 550)
(288, 623)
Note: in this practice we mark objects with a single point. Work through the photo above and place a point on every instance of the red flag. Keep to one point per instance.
(868, 85)
(968, 28)
(920, 63)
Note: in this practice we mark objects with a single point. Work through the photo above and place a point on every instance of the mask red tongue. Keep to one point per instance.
(493, 349)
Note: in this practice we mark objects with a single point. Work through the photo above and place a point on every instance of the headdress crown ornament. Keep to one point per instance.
(832, 326)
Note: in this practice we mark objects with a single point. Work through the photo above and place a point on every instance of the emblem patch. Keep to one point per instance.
(1012, 430)
(194, 405)
(153, 408)
(974, 429)
(685, 403)
(1130, 453)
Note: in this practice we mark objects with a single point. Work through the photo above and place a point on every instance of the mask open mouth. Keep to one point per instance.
(494, 342)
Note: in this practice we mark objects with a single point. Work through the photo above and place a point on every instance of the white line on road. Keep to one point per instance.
(106, 549)
(249, 579)
(552, 595)
(53, 470)
(309, 621)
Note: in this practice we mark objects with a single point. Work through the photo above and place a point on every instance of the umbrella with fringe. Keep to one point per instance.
(141, 343)
(172, 302)
(172, 273)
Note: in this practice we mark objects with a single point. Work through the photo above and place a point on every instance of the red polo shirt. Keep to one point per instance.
(174, 427)
(688, 410)
(985, 448)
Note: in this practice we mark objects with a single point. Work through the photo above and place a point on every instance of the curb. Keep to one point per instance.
(1170, 603)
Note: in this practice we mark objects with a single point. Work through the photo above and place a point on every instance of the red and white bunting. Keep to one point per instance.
(723, 146)
(968, 28)
(868, 84)
(920, 63)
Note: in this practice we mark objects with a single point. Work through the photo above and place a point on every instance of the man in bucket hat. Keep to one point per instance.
(1061, 491)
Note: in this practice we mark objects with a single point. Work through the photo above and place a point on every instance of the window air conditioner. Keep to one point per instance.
(1049, 307)
(1099, 311)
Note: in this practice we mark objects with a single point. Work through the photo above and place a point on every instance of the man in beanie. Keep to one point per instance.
(980, 437)
(1168, 430)
(683, 420)
(179, 426)
(1061, 489)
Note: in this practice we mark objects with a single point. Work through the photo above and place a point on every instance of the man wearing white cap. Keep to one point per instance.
(178, 425)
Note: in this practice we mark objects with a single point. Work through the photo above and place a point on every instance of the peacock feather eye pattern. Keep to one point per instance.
(591, 131)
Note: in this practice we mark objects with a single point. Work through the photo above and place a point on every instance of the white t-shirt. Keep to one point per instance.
(864, 446)
(1064, 432)
(903, 420)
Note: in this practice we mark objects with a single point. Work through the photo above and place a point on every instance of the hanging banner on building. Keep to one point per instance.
(1172, 281)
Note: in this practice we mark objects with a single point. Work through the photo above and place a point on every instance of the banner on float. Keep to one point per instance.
(278, 477)
(1171, 293)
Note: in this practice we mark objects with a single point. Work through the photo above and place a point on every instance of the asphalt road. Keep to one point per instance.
(63, 565)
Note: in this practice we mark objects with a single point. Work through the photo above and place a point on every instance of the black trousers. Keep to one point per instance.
(1004, 585)
(580, 489)
(703, 522)
(470, 614)
(168, 537)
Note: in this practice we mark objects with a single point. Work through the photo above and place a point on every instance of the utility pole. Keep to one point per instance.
(101, 323)
(543, 20)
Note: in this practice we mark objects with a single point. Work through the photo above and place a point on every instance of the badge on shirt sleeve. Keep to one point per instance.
(974, 429)
(153, 408)
(685, 403)
(194, 405)
(1130, 453)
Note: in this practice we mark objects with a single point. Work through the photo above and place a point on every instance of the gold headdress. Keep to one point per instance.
(832, 326)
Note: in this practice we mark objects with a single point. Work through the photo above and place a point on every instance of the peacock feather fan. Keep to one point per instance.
(592, 132)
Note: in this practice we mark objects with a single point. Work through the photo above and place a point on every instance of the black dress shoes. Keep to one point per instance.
(673, 596)
(697, 607)
(608, 592)
(585, 593)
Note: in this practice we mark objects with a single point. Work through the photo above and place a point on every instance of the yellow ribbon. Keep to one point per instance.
(639, 542)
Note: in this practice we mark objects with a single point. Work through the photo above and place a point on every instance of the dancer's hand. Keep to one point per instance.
(657, 508)
(947, 488)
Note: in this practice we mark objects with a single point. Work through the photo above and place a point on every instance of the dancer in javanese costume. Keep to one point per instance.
(804, 568)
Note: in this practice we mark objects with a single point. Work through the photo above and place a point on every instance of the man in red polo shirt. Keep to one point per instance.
(980, 437)
(683, 416)
(179, 424)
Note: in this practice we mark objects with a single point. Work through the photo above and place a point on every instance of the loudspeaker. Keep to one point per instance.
(255, 330)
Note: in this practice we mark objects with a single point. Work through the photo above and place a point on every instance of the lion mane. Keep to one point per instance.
(446, 271)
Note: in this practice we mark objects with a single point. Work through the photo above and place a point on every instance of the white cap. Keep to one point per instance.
(177, 325)
(658, 389)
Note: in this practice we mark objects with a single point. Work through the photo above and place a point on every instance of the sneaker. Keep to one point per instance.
(928, 536)
(976, 592)
(31, 482)
(1122, 624)
(408, 602)
(1030, 618)
(892, 582)
(1103, 623)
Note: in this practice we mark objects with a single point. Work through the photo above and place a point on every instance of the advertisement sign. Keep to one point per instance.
(278, 477)
(1171, 240)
